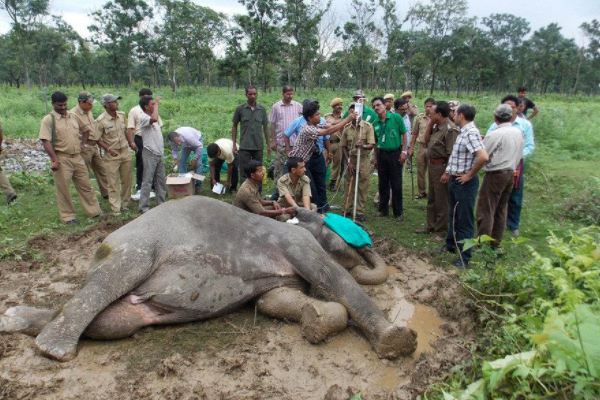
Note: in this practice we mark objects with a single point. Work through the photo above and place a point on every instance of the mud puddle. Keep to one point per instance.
(240, 356)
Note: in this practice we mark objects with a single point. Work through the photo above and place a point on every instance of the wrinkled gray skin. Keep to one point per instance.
(199, 258)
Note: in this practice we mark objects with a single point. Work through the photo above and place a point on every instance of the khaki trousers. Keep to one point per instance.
(492, 206)
(438, 199)
(363, 184)
(280, 159)
(336, 164)
(119, 175)
(72, 168)
(5, 185)
(422, 165)
(93, 162)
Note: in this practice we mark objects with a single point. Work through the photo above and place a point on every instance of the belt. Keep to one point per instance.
(438, 160)
(500, 171)
(388, 151)
(60, 153)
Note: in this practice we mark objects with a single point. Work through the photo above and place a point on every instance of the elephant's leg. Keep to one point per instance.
(318, 319)
(115, 274)
(375, 272)
(27, 320)
(125, 317)
(336, 284)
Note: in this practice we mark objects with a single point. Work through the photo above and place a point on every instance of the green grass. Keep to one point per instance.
(562, 175)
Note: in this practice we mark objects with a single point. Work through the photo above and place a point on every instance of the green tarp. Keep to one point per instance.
(353, 234)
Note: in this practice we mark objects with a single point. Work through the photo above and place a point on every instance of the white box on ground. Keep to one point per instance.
(182, 185)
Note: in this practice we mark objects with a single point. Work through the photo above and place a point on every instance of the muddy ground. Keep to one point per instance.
(240, 356)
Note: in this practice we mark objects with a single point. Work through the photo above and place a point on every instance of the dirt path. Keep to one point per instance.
(240, 356)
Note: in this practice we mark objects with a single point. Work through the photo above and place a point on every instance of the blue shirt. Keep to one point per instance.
(294, 129)
(527, 128)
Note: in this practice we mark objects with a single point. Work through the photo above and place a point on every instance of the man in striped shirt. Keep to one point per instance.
(467, 158)
(307, 149)
(282, 114)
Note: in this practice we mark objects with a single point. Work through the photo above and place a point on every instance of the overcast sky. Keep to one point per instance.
(569, 14)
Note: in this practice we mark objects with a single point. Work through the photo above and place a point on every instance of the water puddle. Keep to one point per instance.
(422, 319)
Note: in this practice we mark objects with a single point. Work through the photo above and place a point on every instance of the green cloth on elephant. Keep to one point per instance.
(352, 234)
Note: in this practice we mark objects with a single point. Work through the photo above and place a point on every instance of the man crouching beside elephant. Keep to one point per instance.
(248, 197)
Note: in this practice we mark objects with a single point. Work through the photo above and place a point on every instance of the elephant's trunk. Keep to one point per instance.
(375, 272)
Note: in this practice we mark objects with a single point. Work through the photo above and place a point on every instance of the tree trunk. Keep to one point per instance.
(578, 71)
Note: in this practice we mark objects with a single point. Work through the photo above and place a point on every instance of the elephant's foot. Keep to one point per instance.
(23, 319)
(394, 341)
(321, 320)
(55, 343)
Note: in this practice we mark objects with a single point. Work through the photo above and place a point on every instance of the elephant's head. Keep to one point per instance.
(364, 264)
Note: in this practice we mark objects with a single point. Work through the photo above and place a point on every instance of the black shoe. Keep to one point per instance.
(460, 264)
(361, 218)
(399, 218)
(380, 214)
(105, 197)
(332, 186)
(233, 192)
(72, 222)
(445, 249)
(10, 198)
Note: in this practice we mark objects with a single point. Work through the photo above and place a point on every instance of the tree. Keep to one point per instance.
(439, 20)
(302, 21)
(260, 25)
(117, 30)
(24, 14)
(359, 36)
(392, 35)
(236, 59)
(11, 66)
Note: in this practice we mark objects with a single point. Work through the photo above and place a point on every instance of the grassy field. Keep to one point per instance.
(561, 196)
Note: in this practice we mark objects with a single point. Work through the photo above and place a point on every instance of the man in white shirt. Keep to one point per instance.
(154, 150)
(133, 128)
(219, 152)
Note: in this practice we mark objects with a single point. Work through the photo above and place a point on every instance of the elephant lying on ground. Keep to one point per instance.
(200, 258)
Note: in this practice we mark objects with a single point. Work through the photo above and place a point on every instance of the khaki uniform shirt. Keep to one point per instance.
(68, 130)
(442, 140)
(248, 198)
(331, 119)
(420, 126)
(113, 130)
(350, 137)
(285, 186)
(87, 118)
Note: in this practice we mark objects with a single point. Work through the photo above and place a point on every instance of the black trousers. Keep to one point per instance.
(316, 170)
(389, 170)
(234, 171)
(139, 162)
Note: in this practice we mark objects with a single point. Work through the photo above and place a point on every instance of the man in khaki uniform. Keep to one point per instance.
(333, 118)
(90, 153)
(248, 197)
(294, 187)
(350, 143)
(115, 140)
(418, 136)
(440, 136)
(5, 185)
(59, 133)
